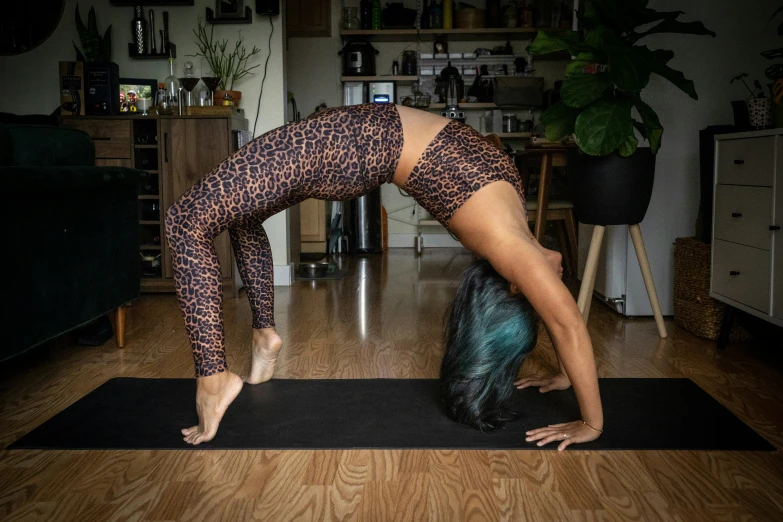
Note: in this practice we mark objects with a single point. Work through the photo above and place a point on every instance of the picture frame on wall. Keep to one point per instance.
(229, 9)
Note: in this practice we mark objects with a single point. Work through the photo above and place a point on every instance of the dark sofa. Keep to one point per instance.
(71, 235)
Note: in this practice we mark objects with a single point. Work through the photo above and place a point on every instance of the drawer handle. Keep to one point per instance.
(774, 227)
(736, 214)
(734, 272)
(739, 162)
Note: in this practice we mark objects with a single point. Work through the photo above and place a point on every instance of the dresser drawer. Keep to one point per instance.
(743, 215)
(748, 161)
(112, 138)
(742, 273)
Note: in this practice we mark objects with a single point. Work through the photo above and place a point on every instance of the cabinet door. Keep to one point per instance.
(777, 241)
(309, 18)
(192, 148)
(312, 220)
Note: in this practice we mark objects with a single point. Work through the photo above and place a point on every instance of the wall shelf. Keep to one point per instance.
(247, 19)
(510, 135)
(379, 78)
(397, 35)
(171, 53)
(482, 107)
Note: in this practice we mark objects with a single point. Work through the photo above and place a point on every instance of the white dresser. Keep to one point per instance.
(747, 241)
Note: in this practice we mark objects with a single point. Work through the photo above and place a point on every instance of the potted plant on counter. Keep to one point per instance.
(601, 105)
(230, 65)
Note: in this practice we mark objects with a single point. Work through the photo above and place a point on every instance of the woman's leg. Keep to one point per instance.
(254, 259)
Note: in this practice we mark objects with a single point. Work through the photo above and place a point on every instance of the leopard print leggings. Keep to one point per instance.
(336, 154)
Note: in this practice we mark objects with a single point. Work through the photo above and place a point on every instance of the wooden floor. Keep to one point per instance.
(384, 319)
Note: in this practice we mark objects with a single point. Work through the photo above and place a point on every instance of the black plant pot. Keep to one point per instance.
(611, 190)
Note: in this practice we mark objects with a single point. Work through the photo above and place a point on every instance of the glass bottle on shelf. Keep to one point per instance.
(365, 13)
(172, 86)
(436, 16)
(162, 101)
(376, 14)
(189, 82)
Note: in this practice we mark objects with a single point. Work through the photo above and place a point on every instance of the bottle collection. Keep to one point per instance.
(447, 14)
(143, 34)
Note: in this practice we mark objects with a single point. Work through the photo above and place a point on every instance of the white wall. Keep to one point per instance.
(29, 82)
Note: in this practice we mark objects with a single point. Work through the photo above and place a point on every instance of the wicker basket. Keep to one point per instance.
(694, 309)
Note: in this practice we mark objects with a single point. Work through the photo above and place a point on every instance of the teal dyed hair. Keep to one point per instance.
(488, 333)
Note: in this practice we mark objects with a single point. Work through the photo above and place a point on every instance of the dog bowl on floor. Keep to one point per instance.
(313, 269)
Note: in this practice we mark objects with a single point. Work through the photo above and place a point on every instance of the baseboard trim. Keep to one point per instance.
(284, 275)
(430, 241)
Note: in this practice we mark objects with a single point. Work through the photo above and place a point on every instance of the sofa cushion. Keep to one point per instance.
(44, 146)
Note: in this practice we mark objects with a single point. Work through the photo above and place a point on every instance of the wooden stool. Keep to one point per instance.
(591, 268)
(563, 212)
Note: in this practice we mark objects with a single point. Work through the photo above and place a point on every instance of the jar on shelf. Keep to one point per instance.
(409, 63)
(350, 20)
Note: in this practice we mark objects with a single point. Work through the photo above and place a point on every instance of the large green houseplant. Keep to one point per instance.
(602, 107)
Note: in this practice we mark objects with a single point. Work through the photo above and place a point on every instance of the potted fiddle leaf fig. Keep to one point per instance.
(601, 105)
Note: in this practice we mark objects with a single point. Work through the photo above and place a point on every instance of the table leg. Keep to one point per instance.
(544, 184)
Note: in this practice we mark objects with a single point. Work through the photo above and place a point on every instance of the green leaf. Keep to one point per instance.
(602, 38)
(546, 43)
(79, 55)
(559, 120)
(629, 69)
(677, 78)
(648, 16)
(106, 45)
(673, 26)
(603, 126)
(628, 147)
(582, 60)
(652, 125)
(580, 90)
(640, 127)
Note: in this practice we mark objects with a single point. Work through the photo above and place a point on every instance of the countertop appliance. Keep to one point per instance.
(381, 92)
(358, 59)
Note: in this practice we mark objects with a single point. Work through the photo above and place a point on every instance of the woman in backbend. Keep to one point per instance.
(469, 185)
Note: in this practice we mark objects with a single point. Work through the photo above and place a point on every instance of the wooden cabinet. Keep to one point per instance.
(747, 246)
(309, 18)
(177, 151)
(312, 223)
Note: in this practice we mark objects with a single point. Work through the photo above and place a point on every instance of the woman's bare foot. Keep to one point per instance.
(266, 346)
(213, 396)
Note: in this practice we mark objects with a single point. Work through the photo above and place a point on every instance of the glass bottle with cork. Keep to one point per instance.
(172, 86)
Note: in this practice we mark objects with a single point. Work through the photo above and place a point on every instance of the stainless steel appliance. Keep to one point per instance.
(358, 59)
(381, 92)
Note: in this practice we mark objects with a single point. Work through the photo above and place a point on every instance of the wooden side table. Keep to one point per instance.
(550, 157)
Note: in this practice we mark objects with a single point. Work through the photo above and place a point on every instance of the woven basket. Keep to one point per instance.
(694, 309)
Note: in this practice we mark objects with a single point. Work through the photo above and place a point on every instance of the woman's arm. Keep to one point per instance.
(520, 262)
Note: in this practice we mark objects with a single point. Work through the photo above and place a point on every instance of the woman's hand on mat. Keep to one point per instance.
(566, 434)
(545, 384)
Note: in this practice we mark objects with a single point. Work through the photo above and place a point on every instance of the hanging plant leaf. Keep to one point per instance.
(662, 56)
(603, 126)
(652, 125)
(79, 55)
(559, 120)
(640, 127)
(106, 45)
(628, 147)
(629, 69)
(677, 78)
(673, 26)
(773, 72)
(580, 90)
(582, 60)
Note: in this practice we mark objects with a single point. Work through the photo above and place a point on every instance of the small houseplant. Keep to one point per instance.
(612, 180)
(230, 65)
(95, 48)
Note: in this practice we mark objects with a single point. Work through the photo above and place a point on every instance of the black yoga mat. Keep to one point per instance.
(128, 413)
